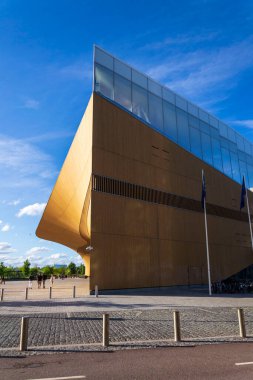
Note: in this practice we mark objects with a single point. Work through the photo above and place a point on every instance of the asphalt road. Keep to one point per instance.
(199, 362)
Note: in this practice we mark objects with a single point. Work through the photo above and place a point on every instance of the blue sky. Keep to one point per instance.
(201, 49)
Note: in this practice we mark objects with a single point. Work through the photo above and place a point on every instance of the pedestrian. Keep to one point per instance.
(44, 277)
(51, 279)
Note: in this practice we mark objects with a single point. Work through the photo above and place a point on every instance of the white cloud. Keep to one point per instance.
(22, 164)
(15, 202)
(58, 256)
(1, 221)
(31, 104)
(38, 250)
(6, 248)
(32, 210)
(6, 228)
(242, 123)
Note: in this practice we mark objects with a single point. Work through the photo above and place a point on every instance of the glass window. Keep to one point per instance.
(243, 170)
(154, 87)
(103, 58)
(213, 121)
(214, 132)
(183, 129)
(204, 127)
(223, 129)
(155, 111)
(122, 69)
(250, 176)
(224, 143)
(122, 91)
(217, 160)
(139, 79)
(181, 103)
(193, 121)
(170, 121)
(247, 146)
(235, 167)
(240, 142)
(193, 109)
(206, 148)
(140, 102)
(104, 81)
(195, 142)
(226, 162)
(169, 95)
(203, 115)
(231, 135)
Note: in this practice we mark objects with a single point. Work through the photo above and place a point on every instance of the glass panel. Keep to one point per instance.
(140, 102)
(103, 58)
(122, 69)
(224, 143)
(204, 127)
(170, 121)
(203, 115)
(155, 111)
(122, 91)
(247, 146)
(231, 135)
(217, 160)
(243, 170)
(181, 103)
(154, 87)
(169, 95)
(235, 167)
(193, 121)
(182, 127)
(139, 79)
(206, 148)
(240, 142)
(250, 176)
(213, 121)
(104, 81)
(214, 132)
(193, 109)
(223, 129)
(195, 142)
(226, 162)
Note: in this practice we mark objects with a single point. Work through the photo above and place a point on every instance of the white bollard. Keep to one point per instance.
(105, 330)
(24, 334)
(241, 321)
(177, 332)
(96, 291)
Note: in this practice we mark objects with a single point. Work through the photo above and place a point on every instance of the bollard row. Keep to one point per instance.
(106, 334)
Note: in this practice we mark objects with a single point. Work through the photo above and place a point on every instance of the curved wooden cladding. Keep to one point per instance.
(67, 217)
(130, 190)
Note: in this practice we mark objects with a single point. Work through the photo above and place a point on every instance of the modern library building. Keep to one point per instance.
(128, 197)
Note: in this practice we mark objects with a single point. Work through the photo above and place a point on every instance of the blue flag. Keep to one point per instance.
(203, 195)
(243, 193)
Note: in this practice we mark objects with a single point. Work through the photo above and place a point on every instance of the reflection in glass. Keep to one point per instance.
(206, 148)
(217, 159)
(104, 81)
(155, 111)
(235, 167)
(140, 102)
(226, 161)
(170, 121)
(122, 92)
(195, 142)
(183, 129)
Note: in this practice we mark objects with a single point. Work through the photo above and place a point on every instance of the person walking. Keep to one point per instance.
(39, 279)
(52, 279)
(30, 283)
(44, 277)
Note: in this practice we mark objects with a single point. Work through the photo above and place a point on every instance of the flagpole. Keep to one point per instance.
(250, 227)
(207, 247)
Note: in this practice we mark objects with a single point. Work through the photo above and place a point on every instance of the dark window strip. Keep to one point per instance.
(129, 190)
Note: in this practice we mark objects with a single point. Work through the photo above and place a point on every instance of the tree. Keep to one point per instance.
(81, 270)
(26, 268)
(2, 269)
(71, 268)
(34, 271)
(48, 270)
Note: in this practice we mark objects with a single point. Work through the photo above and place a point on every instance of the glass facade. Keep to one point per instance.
(184, 123)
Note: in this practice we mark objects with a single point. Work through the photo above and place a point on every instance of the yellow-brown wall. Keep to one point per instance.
(140, 244)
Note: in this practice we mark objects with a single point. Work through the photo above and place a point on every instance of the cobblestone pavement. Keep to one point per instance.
(132, 326)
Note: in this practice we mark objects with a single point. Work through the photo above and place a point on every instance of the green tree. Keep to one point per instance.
(2, 269)
(71, 268)
(26, 268)
(81, 270)
(48, 270)
(34, 271)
